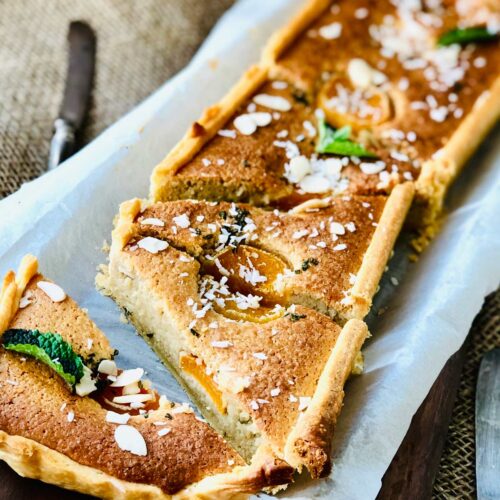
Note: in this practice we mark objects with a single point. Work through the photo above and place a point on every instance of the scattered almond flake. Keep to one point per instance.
(275, 392)
(53, 291)
(274, 102)
(362, 75)
(254, 405)
(292, 398)
(300, 234)
(297, 169)
(411, 136)
(361, 13)
(70, 416)
(128, 438)
(213, 325)
(164, 432)
(309, 128)
(396, 155)
(206, 162)
(291, 149)
(439, 114)
(279, 85)
(221, 268)
(127, 377)
(183, 275)
(372, 168)
(185, 258)
(337, 228)
(159, 423)
(108, 367)
(231, 134)
(262, 401)
(248, 123)
(251, 108)
(394, 281)
(340, 246)
(351, 227)
(152, 245)
(12, 382)
(282, 134)
(479, 62)
(63, 407)
(220, 161)
(291, 382)
(230, 462)
(259, 355)
(117, 418)
(89, 343)
(26, 300)
(182, 221)
(200, 218)
(132, 398)
(330, 31)
(276, 115)
(152, 221)
(304, 402)
(221, 344)
(174, 229)
(408, 176)
(321, 244)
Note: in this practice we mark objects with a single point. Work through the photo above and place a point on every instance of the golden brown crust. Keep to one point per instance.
(380, 248)
(310, 441)
(83, 453)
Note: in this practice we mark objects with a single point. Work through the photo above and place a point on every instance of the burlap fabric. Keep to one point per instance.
(141, 43)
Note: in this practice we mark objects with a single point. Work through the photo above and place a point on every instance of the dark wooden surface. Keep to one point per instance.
(413, 469)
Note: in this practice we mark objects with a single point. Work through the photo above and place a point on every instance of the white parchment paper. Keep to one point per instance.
(65, 216)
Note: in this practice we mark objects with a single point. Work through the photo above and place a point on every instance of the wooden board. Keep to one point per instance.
(413, 469)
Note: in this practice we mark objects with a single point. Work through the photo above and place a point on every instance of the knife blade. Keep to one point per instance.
(488, 427)
(77, 92)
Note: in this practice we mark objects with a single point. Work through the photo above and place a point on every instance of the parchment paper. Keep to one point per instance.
(65, 216)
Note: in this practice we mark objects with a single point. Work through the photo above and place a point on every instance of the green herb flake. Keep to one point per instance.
(308, 263)
(223, 214)
(194, 332)
(295, 317)
(336, 141)
(463, 36)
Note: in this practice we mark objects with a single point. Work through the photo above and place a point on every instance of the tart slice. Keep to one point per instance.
(214, 293)
(69, 417)
(326, 254)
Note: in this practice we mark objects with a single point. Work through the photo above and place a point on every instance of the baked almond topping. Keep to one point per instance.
(53, 291)
(128, 438)
(152, 245)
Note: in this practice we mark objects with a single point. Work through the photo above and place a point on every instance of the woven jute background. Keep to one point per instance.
(141, 43)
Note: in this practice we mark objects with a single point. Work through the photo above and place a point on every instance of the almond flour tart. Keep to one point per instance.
(350, 97)
(70, 417)
(238, 301)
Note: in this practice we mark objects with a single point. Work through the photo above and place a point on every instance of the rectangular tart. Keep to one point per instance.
(369, 78)
(105, 433)
(232, 299)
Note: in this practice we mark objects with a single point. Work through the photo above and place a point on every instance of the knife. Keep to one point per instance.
(79, 79)
(488, 427)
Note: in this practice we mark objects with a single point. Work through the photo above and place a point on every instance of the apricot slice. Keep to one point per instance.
(359, 108)
(250, 272)
(196, 368)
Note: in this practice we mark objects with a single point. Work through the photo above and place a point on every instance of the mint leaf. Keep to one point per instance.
(463, 36)
(348, 148)
(337, 142)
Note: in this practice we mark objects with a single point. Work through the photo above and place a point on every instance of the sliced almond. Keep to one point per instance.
(53, 291)
(128, 438)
